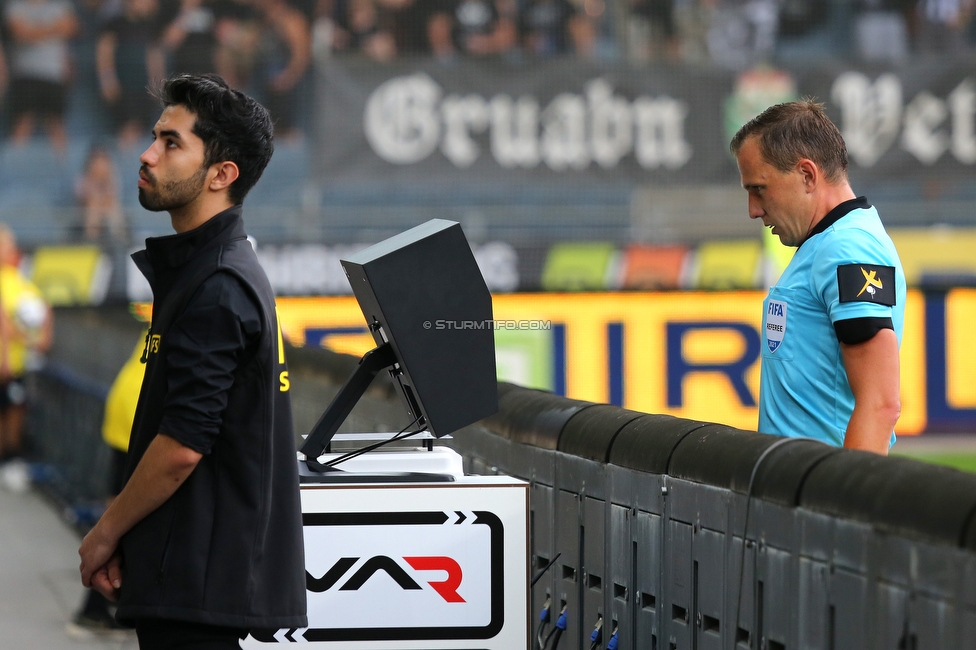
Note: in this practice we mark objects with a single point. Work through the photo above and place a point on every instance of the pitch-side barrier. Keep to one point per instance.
(645, 517)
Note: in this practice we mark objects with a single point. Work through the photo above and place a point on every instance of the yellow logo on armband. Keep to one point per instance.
(154, 344)
(870, 283)
(871, 280)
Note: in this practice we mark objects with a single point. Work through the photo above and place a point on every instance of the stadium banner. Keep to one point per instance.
(499, 121)
(315, 269)
(689, 354)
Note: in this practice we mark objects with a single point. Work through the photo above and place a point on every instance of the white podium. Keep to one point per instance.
(414, 565)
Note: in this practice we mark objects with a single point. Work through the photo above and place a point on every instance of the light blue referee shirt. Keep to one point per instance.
(847, 271)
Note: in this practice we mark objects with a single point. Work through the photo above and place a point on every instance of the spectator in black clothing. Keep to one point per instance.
(652, 33)
(554, 27)
(238, 26)
(420, 26)
(485, 27)
(40, 65)
(285, 50)
(129, 59)
(190, 37)
(800, 17)
(743, 32)
(357, 28)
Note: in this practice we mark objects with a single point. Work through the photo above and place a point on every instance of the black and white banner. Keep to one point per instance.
(498, 122)
(569, 121)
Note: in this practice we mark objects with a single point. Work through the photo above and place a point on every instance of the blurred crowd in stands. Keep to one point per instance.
(103, 53)
(259, 45)
(266, 47)
(729, 32)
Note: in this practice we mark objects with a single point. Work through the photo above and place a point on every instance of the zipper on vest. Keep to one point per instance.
(145, 351)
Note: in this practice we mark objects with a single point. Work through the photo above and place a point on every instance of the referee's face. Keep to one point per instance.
(780, 199)
(172, 174)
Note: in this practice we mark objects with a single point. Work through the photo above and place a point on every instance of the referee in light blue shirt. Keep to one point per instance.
(832, 325)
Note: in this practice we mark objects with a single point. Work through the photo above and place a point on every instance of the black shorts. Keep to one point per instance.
(43, 98)
(162, 634)
(13, 393)
(135, 106)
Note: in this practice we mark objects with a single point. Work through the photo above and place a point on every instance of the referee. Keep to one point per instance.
(833, 322)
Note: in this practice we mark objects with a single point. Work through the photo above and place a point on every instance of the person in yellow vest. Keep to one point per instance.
(95, 618)
(26, 327)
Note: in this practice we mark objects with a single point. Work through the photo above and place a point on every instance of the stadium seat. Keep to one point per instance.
(937, 257)
(589, 266)
(35, 174)
(283, 182)
(71, 275)
(725, 265)
(651, 268)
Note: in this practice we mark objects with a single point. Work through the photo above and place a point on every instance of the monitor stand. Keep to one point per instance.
(319, 439)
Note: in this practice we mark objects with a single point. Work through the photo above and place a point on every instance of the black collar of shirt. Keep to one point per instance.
(837, 214)
(164, 256)
(173, 251)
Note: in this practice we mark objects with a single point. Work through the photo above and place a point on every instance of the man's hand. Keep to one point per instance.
(108, 580)
(101, 567)
(873, 373)
(160, 472)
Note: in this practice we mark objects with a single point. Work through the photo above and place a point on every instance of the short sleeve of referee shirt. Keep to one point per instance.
(854, 257)
(204, 348)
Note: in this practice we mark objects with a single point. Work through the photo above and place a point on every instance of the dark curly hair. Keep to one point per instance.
(232, 125)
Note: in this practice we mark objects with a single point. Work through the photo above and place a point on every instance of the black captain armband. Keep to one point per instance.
(858, 330)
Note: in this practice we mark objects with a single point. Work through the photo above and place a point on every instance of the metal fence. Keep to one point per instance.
(65, 433)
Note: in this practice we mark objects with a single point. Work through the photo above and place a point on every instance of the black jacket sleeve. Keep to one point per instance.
(204, 350)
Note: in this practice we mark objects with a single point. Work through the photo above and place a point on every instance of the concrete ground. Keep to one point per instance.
(935, 443)
(40, 588)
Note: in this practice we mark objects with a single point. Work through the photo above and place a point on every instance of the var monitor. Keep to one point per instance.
(429, 311)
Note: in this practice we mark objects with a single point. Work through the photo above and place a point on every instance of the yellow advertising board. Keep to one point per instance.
(687, 354)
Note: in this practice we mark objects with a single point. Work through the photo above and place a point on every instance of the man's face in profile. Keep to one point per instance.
(778, 198)
(172, 174)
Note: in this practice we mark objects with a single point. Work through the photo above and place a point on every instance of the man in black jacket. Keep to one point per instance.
(205, 542)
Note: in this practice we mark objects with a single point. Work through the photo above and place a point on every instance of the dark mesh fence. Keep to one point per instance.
(70, 460)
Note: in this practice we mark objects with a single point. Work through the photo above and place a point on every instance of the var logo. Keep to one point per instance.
(447, 589)
(446, 564)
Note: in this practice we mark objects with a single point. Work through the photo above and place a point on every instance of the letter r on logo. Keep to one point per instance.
(446, 588)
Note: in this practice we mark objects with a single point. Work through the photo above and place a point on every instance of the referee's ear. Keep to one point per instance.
(809, 173)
